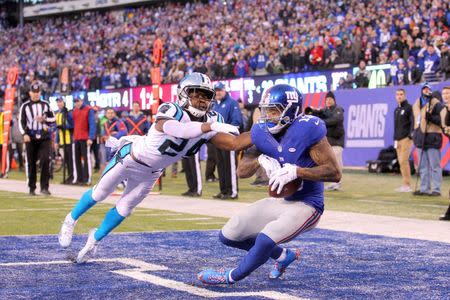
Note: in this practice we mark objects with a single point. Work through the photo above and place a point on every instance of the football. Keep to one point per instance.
(288, 189)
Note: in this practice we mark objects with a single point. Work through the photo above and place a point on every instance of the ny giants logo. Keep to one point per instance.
(292, 96)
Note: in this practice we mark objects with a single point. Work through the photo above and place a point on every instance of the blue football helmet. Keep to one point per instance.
(280, 105)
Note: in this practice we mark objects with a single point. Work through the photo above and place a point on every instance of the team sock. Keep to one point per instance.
(85, 203)
(111, 221)
(248, 244)
(255, 257)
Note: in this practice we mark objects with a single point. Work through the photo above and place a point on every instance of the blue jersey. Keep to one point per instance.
(293, 147)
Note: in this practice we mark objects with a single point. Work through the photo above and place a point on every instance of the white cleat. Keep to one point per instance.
(89, 249)
(66, 232)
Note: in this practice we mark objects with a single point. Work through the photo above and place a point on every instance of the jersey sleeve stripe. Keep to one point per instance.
(179, 113)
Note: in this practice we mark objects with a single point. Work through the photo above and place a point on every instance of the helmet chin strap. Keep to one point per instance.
(196, 112)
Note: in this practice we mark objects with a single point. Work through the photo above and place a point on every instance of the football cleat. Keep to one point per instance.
(66, 233)
(280, 266)
(214, 277)
(90, 249)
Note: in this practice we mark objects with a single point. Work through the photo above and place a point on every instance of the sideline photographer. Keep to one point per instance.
(333, 116)
(429, 117)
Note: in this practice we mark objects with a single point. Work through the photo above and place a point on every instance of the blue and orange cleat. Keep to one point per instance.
(280, 266)
(214, 277)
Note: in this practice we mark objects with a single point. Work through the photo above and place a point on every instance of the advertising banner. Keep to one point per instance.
(249, 89)
(119, 99)
(369, 120)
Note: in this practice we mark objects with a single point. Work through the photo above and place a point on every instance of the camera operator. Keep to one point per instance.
(333, 116)
(429, 117)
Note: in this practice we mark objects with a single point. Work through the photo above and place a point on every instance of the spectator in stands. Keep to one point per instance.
(286, 59)
(316, 55)
(413, 74)
(348, 55)
(428, 140)
(370, 54)
(241, 68)
(394, 64)
(200, 67)
(362, 76)
(348, 82)
(401, 77)
(114, 48)
(403, 129)
(258, 62)
(431, 60)
(274, 66)
(444, 66)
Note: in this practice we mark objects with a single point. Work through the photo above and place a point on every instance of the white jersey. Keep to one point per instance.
(159, 150)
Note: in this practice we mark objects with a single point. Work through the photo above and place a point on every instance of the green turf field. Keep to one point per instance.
(362, 192)
(21, 214)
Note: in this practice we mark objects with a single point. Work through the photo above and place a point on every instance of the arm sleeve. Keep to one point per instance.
(189, 130)
(23, 121)
(92, 126)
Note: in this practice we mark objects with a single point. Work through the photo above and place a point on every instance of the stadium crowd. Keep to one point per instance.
(113, 49)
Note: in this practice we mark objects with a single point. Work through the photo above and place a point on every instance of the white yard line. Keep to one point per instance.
(140, 270)
(333, 220)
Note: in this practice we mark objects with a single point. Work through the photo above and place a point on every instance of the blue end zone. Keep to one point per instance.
(333, 265)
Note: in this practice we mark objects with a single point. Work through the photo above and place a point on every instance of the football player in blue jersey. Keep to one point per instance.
(289, 146)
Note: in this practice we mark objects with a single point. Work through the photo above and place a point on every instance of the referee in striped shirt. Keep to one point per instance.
(35, 121)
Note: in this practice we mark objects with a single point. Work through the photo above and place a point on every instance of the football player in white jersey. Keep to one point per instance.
(180, 130)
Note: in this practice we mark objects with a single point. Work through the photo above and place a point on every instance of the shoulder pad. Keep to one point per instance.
(169, 111)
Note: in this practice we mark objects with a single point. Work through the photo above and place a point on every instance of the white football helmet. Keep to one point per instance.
(191, 82)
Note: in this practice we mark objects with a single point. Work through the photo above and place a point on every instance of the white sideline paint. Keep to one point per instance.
(190, 219)
(139, 268)
(29, 209)
(147, 214)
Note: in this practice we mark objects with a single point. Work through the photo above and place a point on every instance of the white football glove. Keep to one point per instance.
(282, 176)
(225, 128)
(269, 164)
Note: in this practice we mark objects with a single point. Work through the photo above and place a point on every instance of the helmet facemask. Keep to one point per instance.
(201, 95)
(273, 116)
